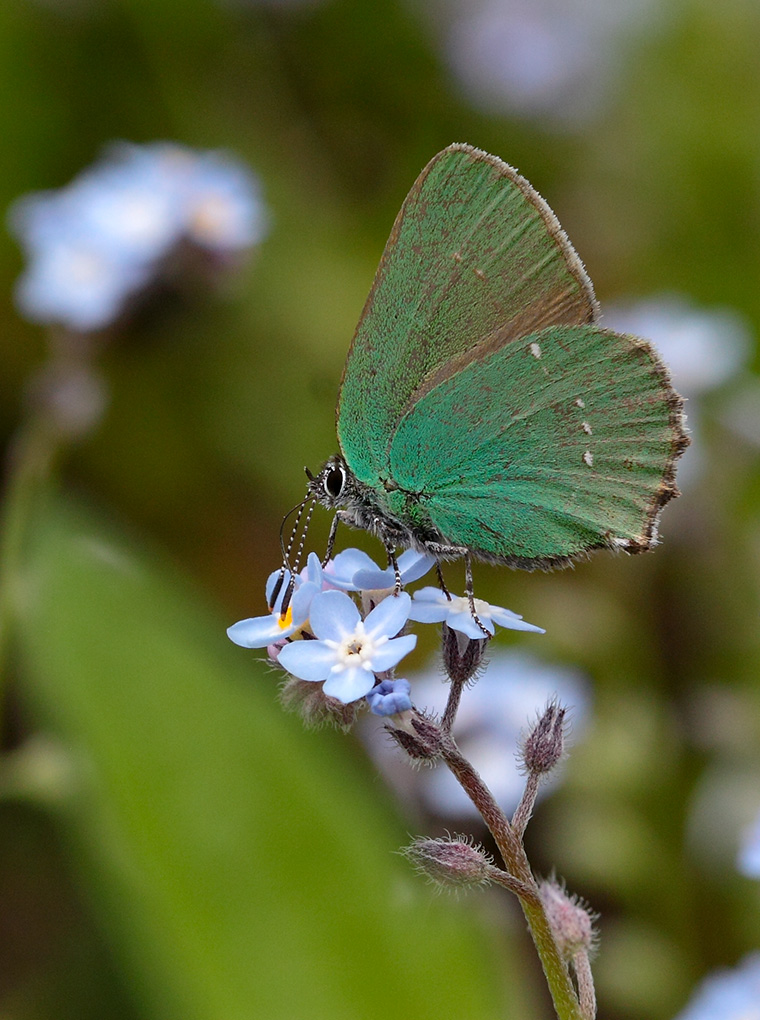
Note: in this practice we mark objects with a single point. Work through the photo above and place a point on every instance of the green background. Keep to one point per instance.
(171, 843)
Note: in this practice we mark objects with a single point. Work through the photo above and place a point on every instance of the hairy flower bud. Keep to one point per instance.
(542, 748)
(315, 707)
(462, 655)
(571, 921)
(419, 737)
(450, 861)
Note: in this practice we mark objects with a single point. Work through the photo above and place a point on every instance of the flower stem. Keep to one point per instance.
(452, 705)
(524, 809)
(585, 979)
(517, 864)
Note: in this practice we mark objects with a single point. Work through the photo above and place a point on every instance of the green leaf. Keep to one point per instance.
(239, 867)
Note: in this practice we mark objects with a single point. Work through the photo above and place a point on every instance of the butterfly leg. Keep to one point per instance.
(468, 586)
(331, 539)
(441, 581)
(393, 562)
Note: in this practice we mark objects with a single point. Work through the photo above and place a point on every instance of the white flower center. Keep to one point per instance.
(356, 650)
(461, 604)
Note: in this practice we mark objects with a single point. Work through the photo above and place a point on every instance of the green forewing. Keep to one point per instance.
(475, 260)
(547, 448)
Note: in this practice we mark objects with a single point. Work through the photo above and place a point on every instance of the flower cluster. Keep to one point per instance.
(323, 637)
(95, 243)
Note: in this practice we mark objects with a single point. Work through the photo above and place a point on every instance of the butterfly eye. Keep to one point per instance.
(334, 481)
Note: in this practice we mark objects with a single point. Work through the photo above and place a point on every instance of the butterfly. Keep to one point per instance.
(484, 412)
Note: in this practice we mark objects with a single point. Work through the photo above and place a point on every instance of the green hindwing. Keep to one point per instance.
(545, 449)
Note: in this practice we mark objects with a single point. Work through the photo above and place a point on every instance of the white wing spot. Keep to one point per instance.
(588, 458)
(580, 403)
(620, 543)
(535, 350)
(586, 428)
(457, 256)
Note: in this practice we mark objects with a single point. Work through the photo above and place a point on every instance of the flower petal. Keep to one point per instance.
(414, 565)
(308, 660)
(465, 623)
(431, 594)
(312, 572)
(392, 652)
(301, 603)
(258, 632)
(340, 572)
(505, 618)
(349, 685)
(333, 615)
(272, 581)
(389, 616)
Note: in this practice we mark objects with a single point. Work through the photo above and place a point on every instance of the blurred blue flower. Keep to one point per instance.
(223, 210)
(431, 605)
(492, 718)
(728, 994)
(749, 851)
(349, 651)
(261, 631)
(390, 697)
(78, 284)
(94, 243)
(354, 570)
(556, 59)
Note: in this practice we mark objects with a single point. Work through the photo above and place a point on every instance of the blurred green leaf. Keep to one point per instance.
(239, 867)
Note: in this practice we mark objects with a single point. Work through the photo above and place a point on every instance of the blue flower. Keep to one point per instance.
(223, 206)
(349, 651)
(354, 570)
(728, 994)
(433, 606)
(99, 240)
(749, 851)
(261, 631)
(78, 284)
(390, 697)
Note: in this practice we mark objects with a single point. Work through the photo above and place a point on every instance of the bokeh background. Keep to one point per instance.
(172, 844)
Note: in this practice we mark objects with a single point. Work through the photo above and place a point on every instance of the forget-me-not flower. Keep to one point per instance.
(261, 631)
(349, 651)
(95, 243)
(433, 606)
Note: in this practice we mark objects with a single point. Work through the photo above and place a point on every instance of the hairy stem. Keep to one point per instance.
(586, 991)
(524, 809)
(517, 865)
(452, 705)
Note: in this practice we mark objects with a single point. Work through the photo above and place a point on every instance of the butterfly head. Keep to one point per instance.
(331, 486)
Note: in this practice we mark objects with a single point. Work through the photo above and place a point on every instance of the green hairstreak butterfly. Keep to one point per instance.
(483, 410)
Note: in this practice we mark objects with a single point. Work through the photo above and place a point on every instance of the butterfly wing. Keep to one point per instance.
(476, 259)
(546, 449)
